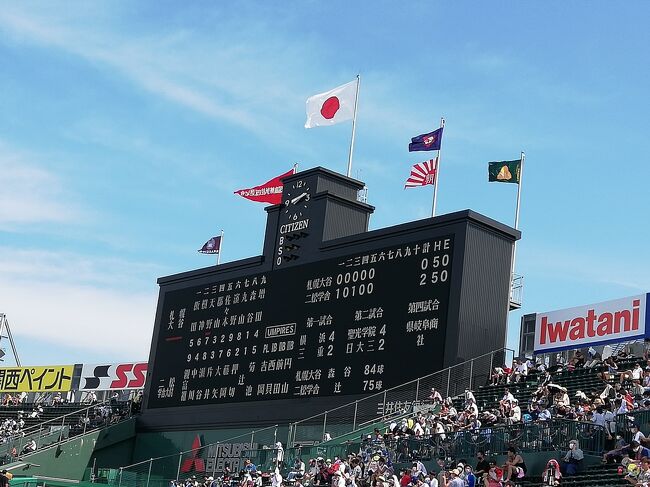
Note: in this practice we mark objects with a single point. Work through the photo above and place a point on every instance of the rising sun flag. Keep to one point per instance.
(422, 173)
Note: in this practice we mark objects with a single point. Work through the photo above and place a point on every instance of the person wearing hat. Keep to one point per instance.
(572, 459)
(337, 479)
(453, 479)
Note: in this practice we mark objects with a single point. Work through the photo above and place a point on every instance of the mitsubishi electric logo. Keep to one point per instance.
(194, 462)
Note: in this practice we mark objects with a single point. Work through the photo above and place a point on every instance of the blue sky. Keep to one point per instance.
(126, 126)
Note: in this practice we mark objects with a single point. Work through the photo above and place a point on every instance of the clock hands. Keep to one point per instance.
(298, 198)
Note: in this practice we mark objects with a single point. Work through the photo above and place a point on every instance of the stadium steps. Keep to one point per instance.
(49, 412)
(64, 422)
(585, 380)
(596, 476)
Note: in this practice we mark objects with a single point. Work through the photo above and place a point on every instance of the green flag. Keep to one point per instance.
(504, 171)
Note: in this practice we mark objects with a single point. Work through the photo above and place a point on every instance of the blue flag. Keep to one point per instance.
(430, 141)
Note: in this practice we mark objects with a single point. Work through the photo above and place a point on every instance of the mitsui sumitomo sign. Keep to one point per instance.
(594, 324)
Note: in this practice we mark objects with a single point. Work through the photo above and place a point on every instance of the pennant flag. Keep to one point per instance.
(332, 107)
(504, 171)
(269, 192)
(430, 141)
(422, 173)
(212, 246)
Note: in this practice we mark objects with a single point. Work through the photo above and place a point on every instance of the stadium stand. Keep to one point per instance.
(543, 412)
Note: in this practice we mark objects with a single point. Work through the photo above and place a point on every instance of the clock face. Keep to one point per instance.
(297, 200)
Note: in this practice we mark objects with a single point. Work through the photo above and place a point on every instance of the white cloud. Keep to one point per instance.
(172, 65)
(78, 302)
(30, 193)
(117, 323)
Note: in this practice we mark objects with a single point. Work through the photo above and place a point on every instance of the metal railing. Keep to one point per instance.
(516, 291)
(204, 459)
(449, 382)
(346, 420)
(62, 428)
(553, 435)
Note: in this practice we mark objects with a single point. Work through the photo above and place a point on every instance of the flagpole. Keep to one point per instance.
(220, 247)
(354, 126)
(514, 246)
(521, 175)
(514, 249)
(435, 187)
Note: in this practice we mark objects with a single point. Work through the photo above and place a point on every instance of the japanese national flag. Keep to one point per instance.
(332, 107)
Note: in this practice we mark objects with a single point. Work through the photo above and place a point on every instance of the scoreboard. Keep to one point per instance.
(329, 313)
(337, 327)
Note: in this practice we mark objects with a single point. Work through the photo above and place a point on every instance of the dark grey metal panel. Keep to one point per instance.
(336, 187)
(343, 221)
(485, 293)
(527, 334)
(249, 415)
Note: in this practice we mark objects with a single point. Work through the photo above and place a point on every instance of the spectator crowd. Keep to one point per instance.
(624, 389)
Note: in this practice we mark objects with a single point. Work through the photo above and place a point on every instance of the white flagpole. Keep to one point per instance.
(514, 247)
(435, 187)
(220, 247)
(514, 250)
(354, 126)
(521, 174)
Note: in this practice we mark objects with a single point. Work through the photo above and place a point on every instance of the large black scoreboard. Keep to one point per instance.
(331, 312)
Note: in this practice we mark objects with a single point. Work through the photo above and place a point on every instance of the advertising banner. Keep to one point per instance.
(113, 377)
(49, 378)
(595, 324)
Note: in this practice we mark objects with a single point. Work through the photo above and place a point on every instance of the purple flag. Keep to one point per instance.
(212, 246)
(430, 141)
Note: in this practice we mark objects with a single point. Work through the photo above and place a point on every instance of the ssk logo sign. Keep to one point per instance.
(104, 377)
(583, 326)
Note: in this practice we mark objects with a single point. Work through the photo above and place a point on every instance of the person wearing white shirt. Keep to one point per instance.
(506, 401)
(638, 435)
(276, 478)
(435, 396)
(338, 480)
(515, 413)
(521, 370)
(472, 408)
(507, 396)
(562, 399)
(635, 374)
